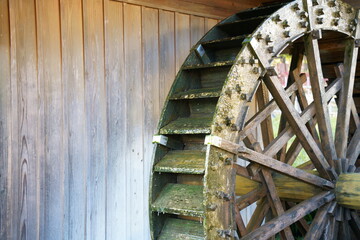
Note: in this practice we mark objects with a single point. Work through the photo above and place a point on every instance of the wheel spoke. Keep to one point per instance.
(258, 216)
(274, 201)
(243, 172)
(307, 115)
(251, 197)
(293, 152)
(262, 114)
(355, 223)
(344, 111)
(321, 105)
(283, 168)
(354, 148)
(290, 216)
(298, 126)
(262, 97)
(240, 222)
(317, 226)
(333, 229)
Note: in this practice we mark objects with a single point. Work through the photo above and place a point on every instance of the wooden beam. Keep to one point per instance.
(298, 126)
(263, 114)
(346, 94)
(267, 131)
(211, 8)
(317, 226)
(251, 197)
(284, 168)
(258, 216)
(321, 105)
(240, 222)
(354, 148)
(290, 216)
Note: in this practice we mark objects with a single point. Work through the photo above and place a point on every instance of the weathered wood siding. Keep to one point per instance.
(82, 87)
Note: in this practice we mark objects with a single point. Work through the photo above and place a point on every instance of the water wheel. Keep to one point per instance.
(233, 130)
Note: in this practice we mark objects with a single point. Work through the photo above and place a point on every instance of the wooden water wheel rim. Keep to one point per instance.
(232, 135)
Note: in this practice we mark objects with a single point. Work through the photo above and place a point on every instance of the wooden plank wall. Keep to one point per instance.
(82, 86)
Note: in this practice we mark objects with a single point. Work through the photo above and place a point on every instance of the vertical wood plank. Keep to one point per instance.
(210, 23)
(116, 172)
(50, 83)
(5, 168)
(197, 27)
(151, 91)
(74, 106)
(27, 156)
(95, 95)
(167, 52)
(135, 129)
(182, 38)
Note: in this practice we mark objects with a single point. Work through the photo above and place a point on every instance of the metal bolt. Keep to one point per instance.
(238, 88)
(332, 3)
(243, 96)
(253, 61)
(271, 71)
(304, 24)
(228, 161)
(287, 34)
(295, 7)
(225, 233)
(227, 121)
(335, 22)
(271, 49)
(268, 39)
(317, 34)
(222, 195)
(304, 15)
(276, 18)
(228, 92)
(337, 14)
(320, 12)
(315, 2)
(319, 20)
(234, 127)
(349, 10)
(214, 167)
(211, 207)
(357, 43)
(242, 61)
(285, 24)
(259, 36)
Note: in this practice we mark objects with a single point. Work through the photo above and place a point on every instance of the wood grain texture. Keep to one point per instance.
(182, 35)
(26, 151)
(166, 52)
(74, 108)
(116, 133)
(82, 89)
(135, 123)
(197, 26)
(95, 96)
(212, 9)
(151, 93)
(52, 125)
(5, 174)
